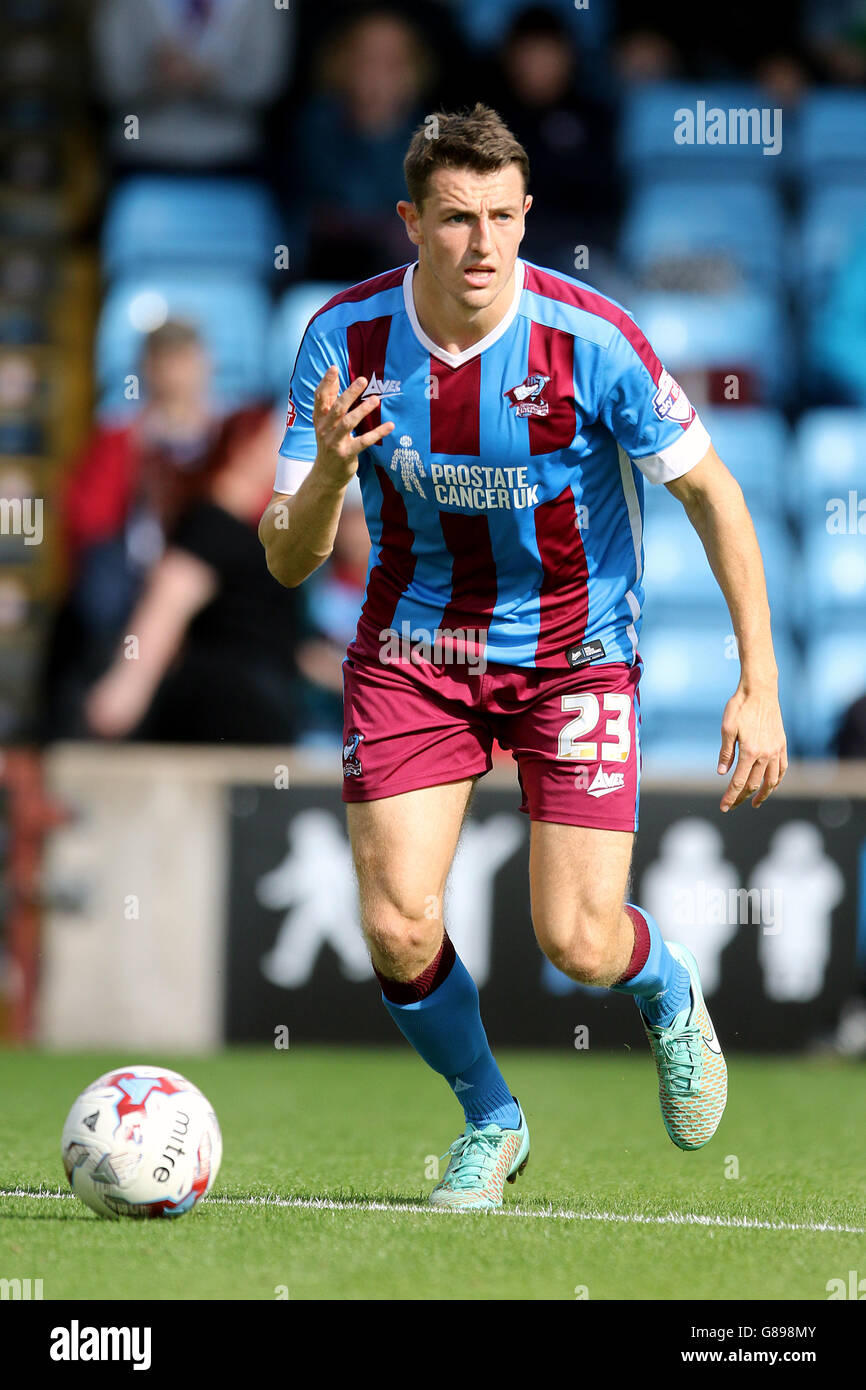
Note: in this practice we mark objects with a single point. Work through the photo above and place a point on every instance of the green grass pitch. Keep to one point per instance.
(599, 1212)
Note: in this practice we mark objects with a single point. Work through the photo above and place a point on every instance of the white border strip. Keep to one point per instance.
(673, 1218)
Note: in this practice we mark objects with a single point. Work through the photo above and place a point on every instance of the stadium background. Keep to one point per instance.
(225, 165)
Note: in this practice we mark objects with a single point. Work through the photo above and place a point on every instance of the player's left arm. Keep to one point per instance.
(752, 721)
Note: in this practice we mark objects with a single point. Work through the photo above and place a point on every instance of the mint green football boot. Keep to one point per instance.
(481, 1161)
(693, 1078)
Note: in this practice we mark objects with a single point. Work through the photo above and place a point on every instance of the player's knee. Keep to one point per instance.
(580, 950)
(404, 943)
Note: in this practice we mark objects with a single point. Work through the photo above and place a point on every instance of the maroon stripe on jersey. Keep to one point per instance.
(455, 408)
(367, 343)
(365, 290)
(392, 574)
(551, 354)
(564, 593)
(544, 283)
(473, 574)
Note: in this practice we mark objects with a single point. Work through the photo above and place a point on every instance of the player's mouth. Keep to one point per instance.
(479, 276)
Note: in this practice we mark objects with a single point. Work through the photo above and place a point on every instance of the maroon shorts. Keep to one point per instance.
(574, 736)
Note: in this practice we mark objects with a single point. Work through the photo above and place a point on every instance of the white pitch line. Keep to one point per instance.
(673, 1218)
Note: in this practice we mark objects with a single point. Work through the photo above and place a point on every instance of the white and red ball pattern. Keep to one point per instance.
(142, 1142)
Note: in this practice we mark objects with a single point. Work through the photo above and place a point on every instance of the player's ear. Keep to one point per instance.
(409, 214)
(527, 203)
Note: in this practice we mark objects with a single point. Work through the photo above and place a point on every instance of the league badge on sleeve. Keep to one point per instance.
(670, 401)
(291, 413)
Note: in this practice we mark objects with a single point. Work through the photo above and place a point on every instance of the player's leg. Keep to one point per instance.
(403, 847)
(576, 743)
(578, 881)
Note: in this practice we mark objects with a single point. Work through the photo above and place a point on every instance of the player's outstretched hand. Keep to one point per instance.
(334, 420)
(753, 722)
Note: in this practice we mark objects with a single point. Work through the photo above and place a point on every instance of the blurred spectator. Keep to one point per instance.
(215, 633)
(676, 41)
(333, 598)
(839, 331)
(539, 92)
(835, 35)
(197, 75)
(125, 493)
(851, 738)
(345, 156)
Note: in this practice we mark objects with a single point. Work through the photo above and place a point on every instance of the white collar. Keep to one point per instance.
(456, 359)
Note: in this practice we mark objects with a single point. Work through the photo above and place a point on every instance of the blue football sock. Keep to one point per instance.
(445, 1029)
(662, 986)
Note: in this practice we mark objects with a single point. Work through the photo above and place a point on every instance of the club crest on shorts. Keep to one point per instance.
(527, 396)
(351, 761)
(670, 401)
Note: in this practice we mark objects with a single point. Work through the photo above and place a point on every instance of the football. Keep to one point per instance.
(141, 1142)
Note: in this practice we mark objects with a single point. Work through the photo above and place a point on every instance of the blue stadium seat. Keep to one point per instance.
(833, 216)
(690, 672)
(649, 151)
(756, 445)
(831, 459)
(153, 224)
(834, 677)
(833, 580)
(738, 222)
(677, 575)
(832, 136)
(731, 332)
(232, 314)
(292, 315)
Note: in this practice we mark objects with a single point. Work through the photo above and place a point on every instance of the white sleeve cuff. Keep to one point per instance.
(678, 457)
(291, 473)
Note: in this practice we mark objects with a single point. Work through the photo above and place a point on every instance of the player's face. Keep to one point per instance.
(469, 232)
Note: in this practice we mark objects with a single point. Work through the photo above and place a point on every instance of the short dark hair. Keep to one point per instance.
(478, 139)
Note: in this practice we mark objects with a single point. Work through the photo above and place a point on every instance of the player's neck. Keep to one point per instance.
(449, 324)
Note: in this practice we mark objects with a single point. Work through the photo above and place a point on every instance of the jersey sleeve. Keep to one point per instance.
(316, 354)
(647, 411)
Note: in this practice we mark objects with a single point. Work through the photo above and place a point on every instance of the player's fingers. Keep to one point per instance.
(326, 393)
(741, 781)
(346, 400)
(772, 778)
(363, 441)
(726, 753)
(354, 417)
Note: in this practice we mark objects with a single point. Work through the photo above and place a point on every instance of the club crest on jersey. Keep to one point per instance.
(411, 466)
(378, 386)
(351, 761)
(291, 413)
(527, 397)
(670, 401)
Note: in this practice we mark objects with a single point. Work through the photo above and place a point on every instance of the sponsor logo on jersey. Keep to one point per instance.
(605, 782)
(670, 401)
(411, 466)
(291, 413)
(527, 397)
(378, 386)
(351, 761)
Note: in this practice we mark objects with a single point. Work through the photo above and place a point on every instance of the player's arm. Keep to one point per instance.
(297, 530)
(715, 506)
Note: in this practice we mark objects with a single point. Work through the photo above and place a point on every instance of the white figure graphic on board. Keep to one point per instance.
(691, 890)
(806, 885)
